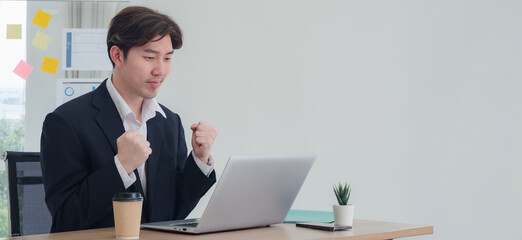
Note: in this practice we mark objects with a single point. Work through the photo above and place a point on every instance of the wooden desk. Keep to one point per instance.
(362, 229)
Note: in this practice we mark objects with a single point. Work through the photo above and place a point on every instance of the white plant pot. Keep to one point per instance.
(343, 214)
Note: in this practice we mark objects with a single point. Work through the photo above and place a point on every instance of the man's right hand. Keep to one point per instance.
(133, 150)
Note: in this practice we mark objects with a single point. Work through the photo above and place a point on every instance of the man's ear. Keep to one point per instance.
(117, 56)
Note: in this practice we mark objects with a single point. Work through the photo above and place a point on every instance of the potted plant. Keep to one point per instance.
(343, 213)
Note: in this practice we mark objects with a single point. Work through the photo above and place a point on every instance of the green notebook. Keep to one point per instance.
(299, 216)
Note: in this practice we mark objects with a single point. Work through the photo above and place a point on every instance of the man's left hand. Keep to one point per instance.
(203, 136)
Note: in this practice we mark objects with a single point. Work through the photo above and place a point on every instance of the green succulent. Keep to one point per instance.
(342, 193)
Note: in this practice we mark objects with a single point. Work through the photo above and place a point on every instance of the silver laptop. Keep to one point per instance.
(253, 191)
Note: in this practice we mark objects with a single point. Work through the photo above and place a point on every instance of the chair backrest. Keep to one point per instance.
(28, 213)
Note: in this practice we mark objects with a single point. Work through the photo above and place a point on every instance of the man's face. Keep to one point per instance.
(145, 68)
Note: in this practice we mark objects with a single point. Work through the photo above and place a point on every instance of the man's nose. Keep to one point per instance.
(159, 69)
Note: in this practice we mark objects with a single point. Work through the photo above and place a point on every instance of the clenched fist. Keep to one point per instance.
(203, 136)
(133, 150)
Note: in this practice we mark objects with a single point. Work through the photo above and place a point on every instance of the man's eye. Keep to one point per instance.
(149, 58)
(167, 59)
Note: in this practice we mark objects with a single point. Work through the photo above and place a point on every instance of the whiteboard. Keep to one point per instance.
(68, 89)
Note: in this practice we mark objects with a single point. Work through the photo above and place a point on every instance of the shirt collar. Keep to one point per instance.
(149, 107)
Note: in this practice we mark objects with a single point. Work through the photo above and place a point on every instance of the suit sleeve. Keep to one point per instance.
(191, 182)
(77, 197)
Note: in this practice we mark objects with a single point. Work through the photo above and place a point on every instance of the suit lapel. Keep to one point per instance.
(108, 118)
(154, 136)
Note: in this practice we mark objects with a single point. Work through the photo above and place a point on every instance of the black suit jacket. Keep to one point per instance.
(78, 146)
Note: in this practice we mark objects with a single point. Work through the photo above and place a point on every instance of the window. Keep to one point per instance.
(38, 96)
(12, 91)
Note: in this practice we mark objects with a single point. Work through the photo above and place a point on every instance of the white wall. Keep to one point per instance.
(414, 102)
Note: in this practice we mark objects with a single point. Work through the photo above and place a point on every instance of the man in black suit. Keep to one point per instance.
(118, 138)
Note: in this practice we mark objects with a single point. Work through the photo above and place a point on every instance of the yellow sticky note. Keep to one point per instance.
(14, 31)
(49, 65)
(41, 18)
(41, 40)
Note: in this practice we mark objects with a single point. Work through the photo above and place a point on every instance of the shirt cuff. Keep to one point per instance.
(205, 168)
(128, 179)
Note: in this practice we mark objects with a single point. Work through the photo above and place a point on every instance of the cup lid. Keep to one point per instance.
(127, 197)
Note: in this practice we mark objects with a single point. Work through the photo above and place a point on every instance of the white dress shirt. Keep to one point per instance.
(148, 111)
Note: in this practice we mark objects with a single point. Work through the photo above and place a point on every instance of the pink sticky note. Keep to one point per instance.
(23, 69)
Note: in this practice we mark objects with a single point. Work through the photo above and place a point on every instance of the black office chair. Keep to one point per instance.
(28, 213)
